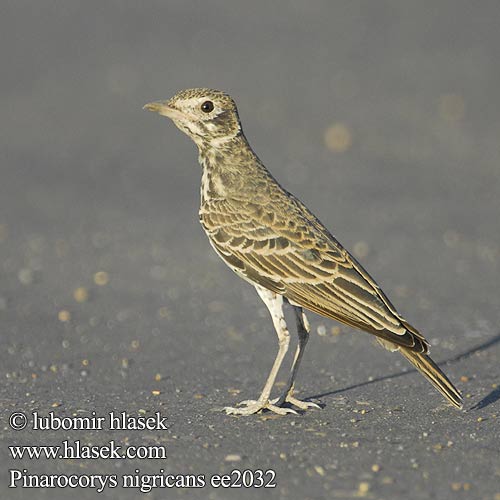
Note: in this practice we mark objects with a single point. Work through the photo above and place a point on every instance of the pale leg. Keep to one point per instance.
(303, 332)
(274, 303)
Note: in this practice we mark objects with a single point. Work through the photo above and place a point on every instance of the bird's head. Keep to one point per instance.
(208, 116)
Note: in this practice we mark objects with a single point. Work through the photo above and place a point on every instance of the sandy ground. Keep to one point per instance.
(381, 116)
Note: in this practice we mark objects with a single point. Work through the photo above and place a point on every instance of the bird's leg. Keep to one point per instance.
(274, 303)
(303, 332)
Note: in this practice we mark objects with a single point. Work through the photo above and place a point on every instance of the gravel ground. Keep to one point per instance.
(381, 116)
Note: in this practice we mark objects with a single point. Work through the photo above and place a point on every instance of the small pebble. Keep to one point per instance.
(363, 489)
(163, 312)
(101, 278)
(81, 294)
(338, 138)
(64, 316)
(25, 276)
(361, 249)
(319, 470)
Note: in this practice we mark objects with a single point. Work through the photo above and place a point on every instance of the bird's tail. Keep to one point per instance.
(436, 377)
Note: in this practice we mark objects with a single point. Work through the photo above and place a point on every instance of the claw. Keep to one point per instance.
(252, 406)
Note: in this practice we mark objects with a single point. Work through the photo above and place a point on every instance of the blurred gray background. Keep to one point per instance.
(382, 116)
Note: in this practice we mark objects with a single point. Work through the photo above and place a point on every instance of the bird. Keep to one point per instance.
(269, 238)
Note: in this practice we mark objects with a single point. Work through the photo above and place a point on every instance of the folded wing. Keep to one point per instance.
(295, 255)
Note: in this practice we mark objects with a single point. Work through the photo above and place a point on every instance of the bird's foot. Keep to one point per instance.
(250, 406)
(289, 398)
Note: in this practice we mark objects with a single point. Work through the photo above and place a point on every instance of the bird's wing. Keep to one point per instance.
(291, 253)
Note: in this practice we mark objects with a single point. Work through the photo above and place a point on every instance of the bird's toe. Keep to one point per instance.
(250, 407)
(303, 405)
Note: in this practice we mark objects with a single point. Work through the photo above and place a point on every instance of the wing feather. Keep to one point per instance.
(297, 257)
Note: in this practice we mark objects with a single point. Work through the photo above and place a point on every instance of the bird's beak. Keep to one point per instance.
(164, 109)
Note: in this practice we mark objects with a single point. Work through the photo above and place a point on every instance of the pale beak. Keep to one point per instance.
(164, 109)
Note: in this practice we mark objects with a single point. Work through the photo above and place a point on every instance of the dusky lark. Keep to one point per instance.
(269, 238)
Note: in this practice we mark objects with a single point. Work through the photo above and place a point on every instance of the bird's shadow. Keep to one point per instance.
(492, 397)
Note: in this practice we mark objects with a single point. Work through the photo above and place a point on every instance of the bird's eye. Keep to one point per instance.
(207, 107)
